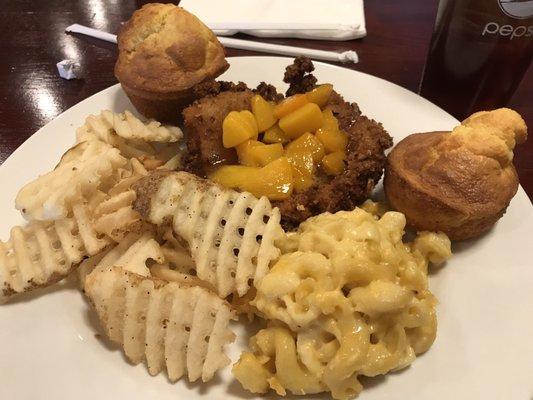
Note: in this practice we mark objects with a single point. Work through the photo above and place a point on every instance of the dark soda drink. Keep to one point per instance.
(479, 52)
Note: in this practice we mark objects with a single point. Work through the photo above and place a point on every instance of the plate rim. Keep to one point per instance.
(193, 393)
(116, 86)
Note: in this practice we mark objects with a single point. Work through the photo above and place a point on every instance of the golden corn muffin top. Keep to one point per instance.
(457, 182)
(165, 49)
(491, 134)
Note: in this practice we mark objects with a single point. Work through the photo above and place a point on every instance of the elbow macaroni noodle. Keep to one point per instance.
(346, 298)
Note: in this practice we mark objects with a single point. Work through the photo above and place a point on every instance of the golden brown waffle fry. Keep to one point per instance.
(153, 144)
(167, 156)
(169, 326)
(178, 258)
(87, 266)
(114, 215)
(230, 234)
(134, 253)
(173, 163)
(77, 177)
(133, 149)
(151, 162)
(138, 254)
(43, 253)
(72, 154)
(176, 252)
(119, 223)
(165, 151)
(242, 306)
(128, 148)
(137, 167)
(165, 273)
(116, 202)
(107, 125)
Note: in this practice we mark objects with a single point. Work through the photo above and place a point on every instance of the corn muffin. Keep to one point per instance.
(458, 182)
(164, 51)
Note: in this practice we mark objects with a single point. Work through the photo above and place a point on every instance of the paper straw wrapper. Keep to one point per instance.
(95, 33)
(345, 57)
(282, 26)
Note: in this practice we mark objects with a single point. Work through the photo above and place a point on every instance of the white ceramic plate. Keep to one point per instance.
(484, 348)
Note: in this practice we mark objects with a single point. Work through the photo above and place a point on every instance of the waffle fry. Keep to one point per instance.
(138, 167)
(94, 130)
(106, 218)
(138, 254)
(108, 125)
(178, 258)
(169, 326)
(166, 273)
(230, 235)
(156, 146)
(114, 215)
(78, 176)
(133, 252)
(167, 156)
(105, 258)
(176, 252)
(119, 223)
(74, 153)
(87, 266)
(43, 253)
(242, 306)
(173, 163)
(151, 162)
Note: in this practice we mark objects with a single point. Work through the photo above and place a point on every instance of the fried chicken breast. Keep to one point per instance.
(365, 156)
(203, 130)
(203, 121)
(365, 152)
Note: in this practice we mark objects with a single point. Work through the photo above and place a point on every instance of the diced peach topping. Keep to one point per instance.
(256, 154)
(263, 112)
(331, 136)
(266, 153)
(333, 163)
(320, 95)
(233, 176)
(250, 119)
(274, 180)
(303, 169)
(290, 104)
(243, 152)
(307, 143)
(330, 122)
(311, 136)
(332, 140)
(275, 135)
(237, 128)
(307, 118)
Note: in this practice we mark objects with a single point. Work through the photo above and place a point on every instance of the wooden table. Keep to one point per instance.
(33, 41)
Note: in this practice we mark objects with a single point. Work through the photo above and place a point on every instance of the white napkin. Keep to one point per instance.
(343, 19)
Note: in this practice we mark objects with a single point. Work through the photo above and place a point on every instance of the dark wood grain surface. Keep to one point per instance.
(33, 41)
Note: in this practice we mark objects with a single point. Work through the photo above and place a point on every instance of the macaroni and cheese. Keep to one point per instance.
(348, 297)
